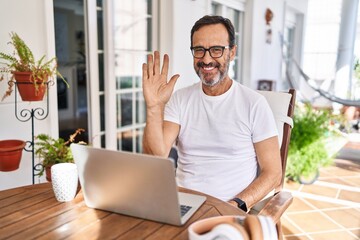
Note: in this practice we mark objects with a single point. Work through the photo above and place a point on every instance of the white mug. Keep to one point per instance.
(64, 178)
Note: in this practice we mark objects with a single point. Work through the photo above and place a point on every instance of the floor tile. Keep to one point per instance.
(350, 196)
(298, 205)
(349, 218)
(313, 222)
(340, 171)
(323, 191)
(296, 238)
(341, 235)
(348, 164)
(356, 232)
(322, 204)
(325, 174)
(347, 181)
(288, 228)
(353, 181)
(315, 219)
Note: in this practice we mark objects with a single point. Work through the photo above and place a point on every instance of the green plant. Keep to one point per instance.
(53, 151)
(22, 60)
(307, 151)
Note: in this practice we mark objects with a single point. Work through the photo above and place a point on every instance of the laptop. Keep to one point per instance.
(133, 184)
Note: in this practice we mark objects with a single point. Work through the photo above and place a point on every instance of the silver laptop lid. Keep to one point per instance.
(138, 185)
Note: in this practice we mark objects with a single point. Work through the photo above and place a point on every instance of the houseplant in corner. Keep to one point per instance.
(52, 151)
(31, 76)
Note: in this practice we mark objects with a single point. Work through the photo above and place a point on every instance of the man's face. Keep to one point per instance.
(212, 70)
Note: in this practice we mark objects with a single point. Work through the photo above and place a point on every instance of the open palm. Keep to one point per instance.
(157, 90)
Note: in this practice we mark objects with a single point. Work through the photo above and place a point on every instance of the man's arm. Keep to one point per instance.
(268, 156)
(158, 135)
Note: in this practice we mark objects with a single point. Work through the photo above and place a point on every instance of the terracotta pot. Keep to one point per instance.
(27, 89)
(10, 154)
(48, 173)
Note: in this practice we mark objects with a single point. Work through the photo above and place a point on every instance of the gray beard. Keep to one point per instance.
(216, 80)
(220, 76)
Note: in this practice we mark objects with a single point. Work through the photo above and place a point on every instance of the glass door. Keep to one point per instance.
(134, 27)
(120, 35)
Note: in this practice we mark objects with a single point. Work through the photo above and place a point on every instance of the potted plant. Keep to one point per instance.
(53, 151)
(308, 149)
(31, 76)
(10, 154)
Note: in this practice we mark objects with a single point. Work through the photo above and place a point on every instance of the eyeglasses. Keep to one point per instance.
(215, 51)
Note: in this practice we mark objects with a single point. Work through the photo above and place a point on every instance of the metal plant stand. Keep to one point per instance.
(25, 115)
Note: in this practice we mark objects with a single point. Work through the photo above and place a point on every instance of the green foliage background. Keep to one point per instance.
(307, 151)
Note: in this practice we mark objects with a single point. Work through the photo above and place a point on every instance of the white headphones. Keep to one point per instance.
(234, 228)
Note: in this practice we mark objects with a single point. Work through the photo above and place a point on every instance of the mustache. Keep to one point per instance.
(212, 64)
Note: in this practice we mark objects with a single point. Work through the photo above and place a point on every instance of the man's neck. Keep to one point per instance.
(219, 88)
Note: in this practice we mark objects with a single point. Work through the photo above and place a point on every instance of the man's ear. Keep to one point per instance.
(233, 52)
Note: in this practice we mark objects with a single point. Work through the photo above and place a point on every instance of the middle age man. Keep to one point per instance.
(225, 132)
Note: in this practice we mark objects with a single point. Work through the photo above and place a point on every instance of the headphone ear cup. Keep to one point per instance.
(241, 229)
(229, 231)
(260, 227)
(253, 226)
(268, 227)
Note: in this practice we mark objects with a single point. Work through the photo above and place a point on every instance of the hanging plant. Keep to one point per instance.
(23, 68)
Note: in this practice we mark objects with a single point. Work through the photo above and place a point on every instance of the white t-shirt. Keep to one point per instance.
(215, 142)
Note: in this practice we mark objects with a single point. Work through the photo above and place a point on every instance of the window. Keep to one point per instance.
(235, 14)
(133, 39)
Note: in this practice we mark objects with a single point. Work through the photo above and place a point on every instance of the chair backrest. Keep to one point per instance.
(282, 105)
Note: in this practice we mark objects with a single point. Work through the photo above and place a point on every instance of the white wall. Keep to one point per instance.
(175, 37)
(263, 60)
(300, 6)
(33, 21)
(266, 60)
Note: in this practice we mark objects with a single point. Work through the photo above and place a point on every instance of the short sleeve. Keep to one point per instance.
(172, 110)
(263, 122)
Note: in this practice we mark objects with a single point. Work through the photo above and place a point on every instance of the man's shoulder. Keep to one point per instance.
(246, 92)
(188, 89)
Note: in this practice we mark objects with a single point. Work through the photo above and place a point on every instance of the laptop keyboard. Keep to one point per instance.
(184, 209)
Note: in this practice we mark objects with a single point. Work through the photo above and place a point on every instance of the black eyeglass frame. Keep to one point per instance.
(209, 50)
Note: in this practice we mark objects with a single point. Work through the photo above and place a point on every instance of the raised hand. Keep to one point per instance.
(157, 89)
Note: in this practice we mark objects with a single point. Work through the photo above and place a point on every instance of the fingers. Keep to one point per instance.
(173, 80)
(153, 63)
(144, 72)
(153, 66)
(156, 62)
(150, 65)
(165, 67)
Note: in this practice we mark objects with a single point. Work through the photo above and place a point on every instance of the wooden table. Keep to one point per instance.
(33, 212)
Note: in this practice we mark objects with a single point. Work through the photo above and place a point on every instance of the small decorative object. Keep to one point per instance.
(268, 18)
(27, 72)
(265, 85)
(10, 154)
(64, 181)
(53, 151)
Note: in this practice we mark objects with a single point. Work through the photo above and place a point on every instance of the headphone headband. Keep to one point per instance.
(234, 228)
